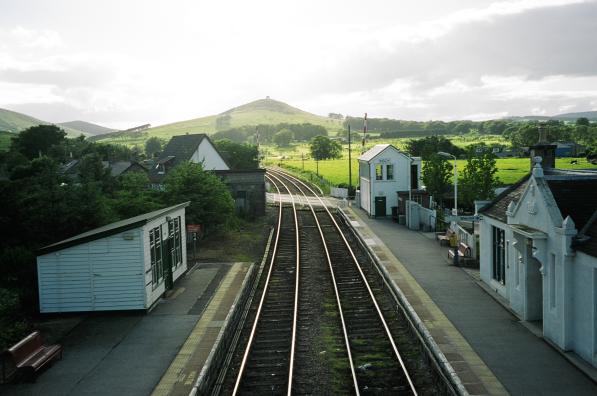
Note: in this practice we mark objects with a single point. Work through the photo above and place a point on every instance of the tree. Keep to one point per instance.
(37, 139)
(132, 196)
(323, 148)
(211, 203)
(238, 156)
(283, 137)
(430, 145)
(583, 121)
(436, 176)
(152, 146)
(479, 180)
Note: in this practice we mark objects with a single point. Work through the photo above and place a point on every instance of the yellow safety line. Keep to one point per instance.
(176, 372)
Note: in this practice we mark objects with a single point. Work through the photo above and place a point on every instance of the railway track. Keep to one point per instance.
(318, 327)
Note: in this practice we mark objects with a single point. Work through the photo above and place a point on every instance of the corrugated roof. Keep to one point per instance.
(374, 151)
(109, 229)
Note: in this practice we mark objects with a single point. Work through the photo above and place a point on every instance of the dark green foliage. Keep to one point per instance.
(430, 145)
(300, 132)
(323, 148)
(12, 324)
(583, 121)
(436, 174)
(211, 203)
(478, 180)
(283, 137)
(237, 155)
(132, 197)
(153, 145)
(37, 140)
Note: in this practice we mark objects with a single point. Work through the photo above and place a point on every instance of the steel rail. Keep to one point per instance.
(265, 289)
(385, 325)
(337, 293)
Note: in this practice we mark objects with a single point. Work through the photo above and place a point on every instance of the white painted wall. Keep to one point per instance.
(388, 188)
(111, 273)
(567, 280)
(105, 274)
(207, 154)
(154, 292)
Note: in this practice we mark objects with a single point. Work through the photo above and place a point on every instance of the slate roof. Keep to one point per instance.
(575, 197)
(109, 229)
(589, 246)
(374, 151)
(182, 147)
(497, 208)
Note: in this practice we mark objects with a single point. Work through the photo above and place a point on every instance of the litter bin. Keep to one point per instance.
(395, 214)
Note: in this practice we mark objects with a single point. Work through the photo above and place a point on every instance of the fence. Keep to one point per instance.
(338, 192)
(421, 218)
(464, 236)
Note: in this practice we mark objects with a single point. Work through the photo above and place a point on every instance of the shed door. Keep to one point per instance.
(380, 206)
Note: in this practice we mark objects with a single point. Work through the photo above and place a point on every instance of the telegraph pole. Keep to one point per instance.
(364, 133)
(349, 165)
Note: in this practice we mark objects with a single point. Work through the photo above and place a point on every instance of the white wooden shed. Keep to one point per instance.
(383, 171)
(127, 265)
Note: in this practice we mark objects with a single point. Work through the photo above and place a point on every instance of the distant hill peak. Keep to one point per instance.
(87, 127)
(266, 104)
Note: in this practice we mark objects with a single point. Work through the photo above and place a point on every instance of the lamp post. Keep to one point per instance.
(455, 210)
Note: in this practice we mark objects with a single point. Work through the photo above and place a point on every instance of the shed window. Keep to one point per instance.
(390, 172)
(176, 244)
(155, 248)
(499, 255)
(378, 172)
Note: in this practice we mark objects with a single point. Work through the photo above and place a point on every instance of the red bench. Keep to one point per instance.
(29, 355)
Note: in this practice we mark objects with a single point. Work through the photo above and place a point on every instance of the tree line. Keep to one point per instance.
(42, 203)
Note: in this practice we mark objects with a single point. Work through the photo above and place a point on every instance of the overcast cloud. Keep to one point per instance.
(127, 63)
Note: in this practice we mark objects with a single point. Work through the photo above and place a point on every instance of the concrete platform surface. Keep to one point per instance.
(126, 353)
(487, 345)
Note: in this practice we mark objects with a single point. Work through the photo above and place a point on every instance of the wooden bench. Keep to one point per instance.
(29, 355)
(445, 238)
(464, 251)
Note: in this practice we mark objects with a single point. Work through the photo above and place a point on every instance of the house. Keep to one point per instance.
(383, 171)
(538, 250)
(247, 186)
(119, 168)
(197, 148)
(127, 265)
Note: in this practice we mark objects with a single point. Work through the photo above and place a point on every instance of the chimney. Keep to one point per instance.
(543, 149)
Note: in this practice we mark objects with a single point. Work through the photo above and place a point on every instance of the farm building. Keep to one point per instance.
(383, 171)
(538, 250)
(125, 265)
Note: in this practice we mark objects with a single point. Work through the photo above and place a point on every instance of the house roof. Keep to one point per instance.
(118, 168)
(589, 237)
(182, 147)
(498, 207)
(575, 197)
(109, 229)
(375, 151)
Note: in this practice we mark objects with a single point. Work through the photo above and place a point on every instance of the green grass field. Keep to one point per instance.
(510, 170)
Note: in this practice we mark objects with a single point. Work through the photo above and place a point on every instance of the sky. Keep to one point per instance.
(122, 63)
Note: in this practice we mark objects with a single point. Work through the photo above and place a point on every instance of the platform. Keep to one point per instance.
(492, 352)
(127, 353)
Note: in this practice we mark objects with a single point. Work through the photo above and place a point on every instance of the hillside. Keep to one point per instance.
(591, 115)
(263, 111)
(11, 121)
(86, 127)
